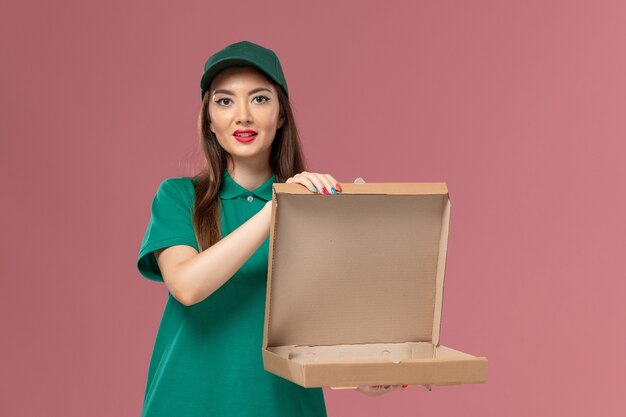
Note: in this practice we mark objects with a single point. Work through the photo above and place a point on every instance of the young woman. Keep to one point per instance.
(208, 241)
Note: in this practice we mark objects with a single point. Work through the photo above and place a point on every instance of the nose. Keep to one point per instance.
(243, 114)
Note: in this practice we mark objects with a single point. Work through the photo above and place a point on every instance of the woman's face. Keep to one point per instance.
(242, 99)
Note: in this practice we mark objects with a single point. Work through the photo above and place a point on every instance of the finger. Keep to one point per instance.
(377, 390)
(304, 181)
(328, 183)
(319, 182)
(374, 390)
(310, 180)
(297, 176)
(334, 185)
(292, 179)
(386, 388)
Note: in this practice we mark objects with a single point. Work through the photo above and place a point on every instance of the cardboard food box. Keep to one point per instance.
(355, 287)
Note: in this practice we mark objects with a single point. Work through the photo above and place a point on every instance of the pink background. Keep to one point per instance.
(520, 107)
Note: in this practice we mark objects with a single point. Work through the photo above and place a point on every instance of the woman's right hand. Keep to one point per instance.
(376, 390)
(317, 183)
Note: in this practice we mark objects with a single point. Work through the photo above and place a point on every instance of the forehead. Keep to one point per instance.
(240, 77)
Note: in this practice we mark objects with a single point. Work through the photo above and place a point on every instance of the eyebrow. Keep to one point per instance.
(256, 90)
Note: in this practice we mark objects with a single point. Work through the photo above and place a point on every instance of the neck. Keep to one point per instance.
(249, 176)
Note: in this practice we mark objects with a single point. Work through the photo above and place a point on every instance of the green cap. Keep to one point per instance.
(246, 53)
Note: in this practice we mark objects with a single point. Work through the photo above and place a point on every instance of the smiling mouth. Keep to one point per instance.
(245, 137)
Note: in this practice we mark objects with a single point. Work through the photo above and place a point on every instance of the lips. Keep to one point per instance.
(244, 135)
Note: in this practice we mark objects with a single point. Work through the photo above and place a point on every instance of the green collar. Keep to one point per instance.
(230, 189)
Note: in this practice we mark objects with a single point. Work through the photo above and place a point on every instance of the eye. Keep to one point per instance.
(262, 97)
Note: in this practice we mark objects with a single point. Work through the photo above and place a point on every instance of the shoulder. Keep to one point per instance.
(179, 183)
(177, 187)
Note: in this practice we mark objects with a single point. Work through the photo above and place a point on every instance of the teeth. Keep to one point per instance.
(245, 134)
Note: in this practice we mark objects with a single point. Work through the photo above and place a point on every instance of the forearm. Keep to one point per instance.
(206, 272)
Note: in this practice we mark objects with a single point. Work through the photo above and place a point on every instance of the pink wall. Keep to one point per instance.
(519, 106)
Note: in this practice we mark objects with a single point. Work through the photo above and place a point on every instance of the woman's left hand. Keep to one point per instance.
(317, 183)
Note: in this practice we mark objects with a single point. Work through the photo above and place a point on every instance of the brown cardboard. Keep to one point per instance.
(355, 287)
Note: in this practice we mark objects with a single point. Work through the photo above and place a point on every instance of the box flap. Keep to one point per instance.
(364, 266)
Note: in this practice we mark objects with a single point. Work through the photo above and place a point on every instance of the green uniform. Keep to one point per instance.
(207, 357)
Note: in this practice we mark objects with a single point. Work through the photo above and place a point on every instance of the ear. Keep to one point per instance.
(281, 121)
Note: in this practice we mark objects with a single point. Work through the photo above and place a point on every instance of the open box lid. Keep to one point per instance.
(366, 265)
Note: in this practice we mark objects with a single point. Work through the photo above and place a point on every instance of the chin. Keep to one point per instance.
(252, 152)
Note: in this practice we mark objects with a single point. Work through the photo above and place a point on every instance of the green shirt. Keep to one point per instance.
(207, 357)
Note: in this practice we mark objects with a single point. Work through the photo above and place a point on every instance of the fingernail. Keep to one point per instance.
(338, 187)
(314, 189)
(332, 190)
(404, 386)
(324, 190)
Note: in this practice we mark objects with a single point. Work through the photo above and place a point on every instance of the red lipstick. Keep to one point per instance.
(244, 135)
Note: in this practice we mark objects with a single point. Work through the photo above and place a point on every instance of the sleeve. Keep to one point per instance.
(171, 223)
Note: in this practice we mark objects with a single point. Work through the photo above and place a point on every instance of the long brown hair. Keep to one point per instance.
(286, 160)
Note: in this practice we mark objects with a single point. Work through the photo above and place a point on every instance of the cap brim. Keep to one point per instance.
(207, 77)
